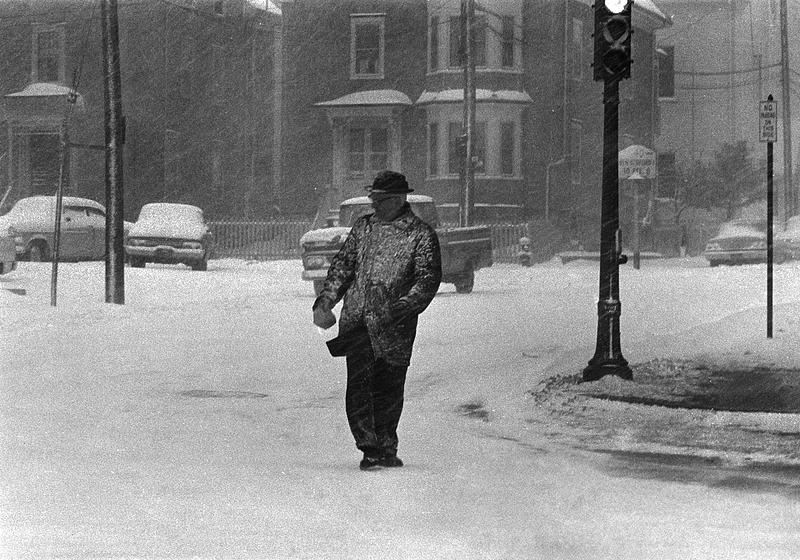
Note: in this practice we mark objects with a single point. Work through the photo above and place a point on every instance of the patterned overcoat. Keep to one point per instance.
(388, 273)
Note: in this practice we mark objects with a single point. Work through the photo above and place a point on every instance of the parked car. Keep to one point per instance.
(464, 249)
(741, 242)
(788, 241)
(31, 223)
(8, 254)
(171, 234)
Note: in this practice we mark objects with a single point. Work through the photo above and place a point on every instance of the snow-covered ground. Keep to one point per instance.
(205, 419)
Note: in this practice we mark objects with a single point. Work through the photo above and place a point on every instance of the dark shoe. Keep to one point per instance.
(369, 463)
(391, 461)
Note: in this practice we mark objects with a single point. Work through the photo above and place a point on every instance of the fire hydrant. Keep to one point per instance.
(524, 255)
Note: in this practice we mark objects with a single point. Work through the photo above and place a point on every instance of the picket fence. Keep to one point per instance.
(280, 239)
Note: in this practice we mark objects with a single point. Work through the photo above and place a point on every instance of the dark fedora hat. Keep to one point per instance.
(389, 182)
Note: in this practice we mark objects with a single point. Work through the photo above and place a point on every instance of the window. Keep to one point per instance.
(434, 43)
(479, 35)
(507, 148)
(433, 149)
(575, 152)
(455, 42)
(479, 152)
(366, 46)
(48, 54)
(666, 71)
(368, 150)
(507, 42)
(456, 148)
(667, 178)
(576, 50)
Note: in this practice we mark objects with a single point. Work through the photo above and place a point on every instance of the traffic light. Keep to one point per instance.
(612, 39)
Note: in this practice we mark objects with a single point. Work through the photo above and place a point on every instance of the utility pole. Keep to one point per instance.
(732, 67)
(785, 208)
(115, 138)
(467, 206)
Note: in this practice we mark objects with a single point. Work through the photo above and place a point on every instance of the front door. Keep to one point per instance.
(45, 162)
(77, 236)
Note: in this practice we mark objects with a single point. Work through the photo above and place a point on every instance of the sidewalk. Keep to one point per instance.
(686, 413)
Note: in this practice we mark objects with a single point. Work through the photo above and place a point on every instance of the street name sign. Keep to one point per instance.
(637, 160)
(768, 121)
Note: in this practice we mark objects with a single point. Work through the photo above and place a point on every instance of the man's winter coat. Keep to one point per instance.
(388, 273)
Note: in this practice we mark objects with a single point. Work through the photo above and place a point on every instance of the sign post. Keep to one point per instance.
(635, 164)
(768, 132)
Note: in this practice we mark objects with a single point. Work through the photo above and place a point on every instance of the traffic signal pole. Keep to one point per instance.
(612, 62)
(114, 128)
(608, 354)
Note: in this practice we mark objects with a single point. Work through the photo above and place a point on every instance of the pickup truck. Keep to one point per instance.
(464, 249)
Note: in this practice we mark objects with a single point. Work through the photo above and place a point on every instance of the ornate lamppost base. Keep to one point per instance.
(598, 368)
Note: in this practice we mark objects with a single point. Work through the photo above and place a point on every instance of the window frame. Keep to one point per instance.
(38, 30)
(479, 150)
(433, 44)
(507, 38)
(507, 153)
(433, 149)
(368, 19)
(367, 153)
(666, 71)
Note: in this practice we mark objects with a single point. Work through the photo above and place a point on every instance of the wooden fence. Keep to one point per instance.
(280, 239)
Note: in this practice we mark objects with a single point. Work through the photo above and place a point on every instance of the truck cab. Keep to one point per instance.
(464, 250)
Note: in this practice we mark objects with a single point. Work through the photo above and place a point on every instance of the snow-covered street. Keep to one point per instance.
(205, 419)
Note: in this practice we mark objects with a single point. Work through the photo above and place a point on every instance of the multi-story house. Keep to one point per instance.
(200, 89)
(374, 84)
(716, 62)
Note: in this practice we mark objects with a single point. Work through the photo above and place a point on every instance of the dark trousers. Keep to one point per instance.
(374, 401)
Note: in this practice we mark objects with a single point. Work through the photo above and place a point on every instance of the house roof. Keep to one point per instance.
(457, 96)
(374, 97)
(266, 5)
(43, 89)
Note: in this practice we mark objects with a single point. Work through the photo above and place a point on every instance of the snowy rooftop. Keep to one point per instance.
(369, 97)
(266, 5)
(457, 96)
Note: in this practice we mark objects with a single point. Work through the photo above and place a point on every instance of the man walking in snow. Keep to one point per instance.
(388, 271)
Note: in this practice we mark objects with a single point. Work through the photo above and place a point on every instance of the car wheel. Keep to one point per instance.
(712, 264)
(318, 285)
(466, 282)
(200, 265)
(137, 262)
(779, 257)
(38, 252)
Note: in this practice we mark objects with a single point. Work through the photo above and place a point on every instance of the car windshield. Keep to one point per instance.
(171, 213)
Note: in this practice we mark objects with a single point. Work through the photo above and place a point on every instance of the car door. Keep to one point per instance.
(76, 234)
(97, 221)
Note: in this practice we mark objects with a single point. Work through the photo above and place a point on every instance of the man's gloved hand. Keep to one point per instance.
(323, 316)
